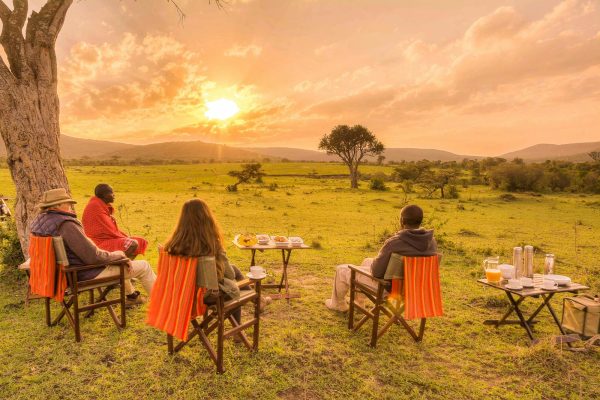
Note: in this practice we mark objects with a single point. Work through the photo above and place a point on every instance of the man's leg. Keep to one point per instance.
(142, 271)
(113, 270)
(341, 285)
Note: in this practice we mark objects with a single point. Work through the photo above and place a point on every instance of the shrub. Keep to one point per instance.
(10, 247)
(453, 192)
(377, 184)
(273, 187)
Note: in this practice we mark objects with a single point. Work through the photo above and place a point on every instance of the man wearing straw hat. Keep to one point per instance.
(57, 218)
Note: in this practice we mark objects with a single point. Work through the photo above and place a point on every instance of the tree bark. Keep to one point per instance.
(29, 105)
(353, 175)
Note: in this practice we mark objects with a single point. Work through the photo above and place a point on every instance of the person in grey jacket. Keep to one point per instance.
(411, 240)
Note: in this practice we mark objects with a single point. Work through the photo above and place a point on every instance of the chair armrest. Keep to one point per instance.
(367, 274)
(243, 283)
(71, 268)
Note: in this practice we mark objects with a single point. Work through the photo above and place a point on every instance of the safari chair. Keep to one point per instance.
(51, 277)
(178, 299)
(416, 296)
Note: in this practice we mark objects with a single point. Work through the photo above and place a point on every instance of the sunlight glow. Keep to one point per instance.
(221, 109)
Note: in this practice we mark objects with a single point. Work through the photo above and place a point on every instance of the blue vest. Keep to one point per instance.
(48, 224)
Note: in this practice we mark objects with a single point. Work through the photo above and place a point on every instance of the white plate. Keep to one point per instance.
(514, 287)
(261, 276)
(564, 280)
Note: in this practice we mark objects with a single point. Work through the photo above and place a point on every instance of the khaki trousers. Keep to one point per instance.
(341, 282)
(140, 270)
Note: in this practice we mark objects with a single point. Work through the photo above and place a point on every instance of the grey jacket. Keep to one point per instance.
(407, 242)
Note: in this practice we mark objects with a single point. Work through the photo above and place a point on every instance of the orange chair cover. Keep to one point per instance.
(46, 277)
(172, 300)
(422, 291)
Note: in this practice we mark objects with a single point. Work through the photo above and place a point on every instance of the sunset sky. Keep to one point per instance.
(477, 77)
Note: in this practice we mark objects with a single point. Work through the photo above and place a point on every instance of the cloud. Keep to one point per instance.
(361, 103)
(244, 51)
(132, 75)
(502, 50)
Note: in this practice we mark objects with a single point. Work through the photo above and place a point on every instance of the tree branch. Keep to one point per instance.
(4, 12)
(12, 35)
(42, 31)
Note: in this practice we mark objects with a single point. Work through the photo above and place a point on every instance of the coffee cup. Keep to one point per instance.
(257, 270)
(549, 284)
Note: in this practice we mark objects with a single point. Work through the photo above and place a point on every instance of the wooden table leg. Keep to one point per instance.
(283, 283)
(253, 257)
(546, 303)
(520, 315)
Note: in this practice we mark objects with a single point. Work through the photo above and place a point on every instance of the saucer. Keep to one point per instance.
(261, 276)
(514, 287)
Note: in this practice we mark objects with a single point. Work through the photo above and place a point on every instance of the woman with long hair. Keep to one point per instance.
(198, 235)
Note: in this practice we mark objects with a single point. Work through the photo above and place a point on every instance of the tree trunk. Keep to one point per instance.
(353, 176)
(31, 134)
(29, 105)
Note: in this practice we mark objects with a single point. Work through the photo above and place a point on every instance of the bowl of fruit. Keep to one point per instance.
(246, 239)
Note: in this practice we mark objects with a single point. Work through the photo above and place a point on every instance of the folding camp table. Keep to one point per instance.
(286, 252)
(522, 294)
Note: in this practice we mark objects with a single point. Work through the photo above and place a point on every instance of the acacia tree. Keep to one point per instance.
(352, 145)
(248, 173)
(29, 104)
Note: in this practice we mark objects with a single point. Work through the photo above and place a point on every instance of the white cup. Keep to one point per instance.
(549, 284)
(257, 270)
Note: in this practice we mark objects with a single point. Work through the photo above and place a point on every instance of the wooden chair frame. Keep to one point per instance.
(377, 295)
(214, 319)
(102, 285)
(71, 304)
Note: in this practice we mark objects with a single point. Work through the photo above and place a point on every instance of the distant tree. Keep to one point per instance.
(248, 173)
(595, 155)
(352, 145)
(514, 177)
(380, 159)
(434, 180)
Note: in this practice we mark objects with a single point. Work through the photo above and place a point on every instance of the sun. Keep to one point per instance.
(221, 109)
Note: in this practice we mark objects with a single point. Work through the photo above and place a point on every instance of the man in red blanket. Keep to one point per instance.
(100, 225)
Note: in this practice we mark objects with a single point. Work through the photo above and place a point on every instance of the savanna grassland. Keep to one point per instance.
(306, 351)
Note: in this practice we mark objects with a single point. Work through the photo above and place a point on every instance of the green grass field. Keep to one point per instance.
(306, 351)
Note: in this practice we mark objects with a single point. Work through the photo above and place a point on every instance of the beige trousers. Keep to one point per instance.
(140, 270)
(341, 282)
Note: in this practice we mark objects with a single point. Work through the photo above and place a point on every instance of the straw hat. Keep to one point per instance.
(54, 197)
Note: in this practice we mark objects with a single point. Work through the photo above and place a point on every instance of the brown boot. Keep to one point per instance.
(134, 299)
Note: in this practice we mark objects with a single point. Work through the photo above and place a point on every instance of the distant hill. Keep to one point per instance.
(71, 147)
(292, 154)
(391, 154)
(186, 151)
(577, 152)
(411, 154)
